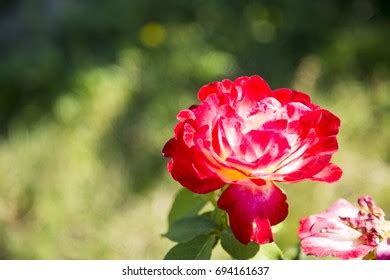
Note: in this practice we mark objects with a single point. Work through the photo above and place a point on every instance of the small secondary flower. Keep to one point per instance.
(347, 232)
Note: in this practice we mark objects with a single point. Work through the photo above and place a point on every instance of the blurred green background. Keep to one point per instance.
(89, 91)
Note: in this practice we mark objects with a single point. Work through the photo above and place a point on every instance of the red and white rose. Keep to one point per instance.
(248, 136)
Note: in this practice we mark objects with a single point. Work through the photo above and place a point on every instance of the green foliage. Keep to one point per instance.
(235, 248)
(186, 203)
(189, 231)
(269, 251)
(187, 228)
(199, 248)
(196, 234)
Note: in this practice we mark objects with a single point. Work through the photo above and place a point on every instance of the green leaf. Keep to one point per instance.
(269, 251)
(186, 204)
(187, 228)
(199, 248)
(370, 256)
(218, 216)
(208, 214)
(235, 248)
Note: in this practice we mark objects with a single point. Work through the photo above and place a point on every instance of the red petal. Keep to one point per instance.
(167, 151)
(325, 145)
(331, 173)
(253, 209)
(285, 95)
(188, 134)
(219, 141)
(215, 87)
(216, 104)
(206, 90)
(184, 165)
(311, 161)
(185, 115)
(186, 174)
(270, 146)
(260, 149)
(302, 168)
(252, 88)
(275, 125)
(322, 121)
(329, 124)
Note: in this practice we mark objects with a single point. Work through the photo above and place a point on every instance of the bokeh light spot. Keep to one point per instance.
(152, 35)
(263, 31)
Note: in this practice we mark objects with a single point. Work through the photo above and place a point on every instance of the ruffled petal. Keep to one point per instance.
(326, 247)
(285, 95)
(260, 149)
(253, 88)
(185, 114)
(187, 175)
(301, 168)
(310, 157)
(253, 209)
(341, 208)
(328, 125)
(331, 173)
(184, 165)
(250, 90)
(226, 86)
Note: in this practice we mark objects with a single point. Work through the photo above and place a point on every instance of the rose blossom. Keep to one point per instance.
(346, 232)
(248, 136)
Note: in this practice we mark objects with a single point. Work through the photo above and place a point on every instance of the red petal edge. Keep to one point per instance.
(253, 209)
(330, 174)
(182, 168)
